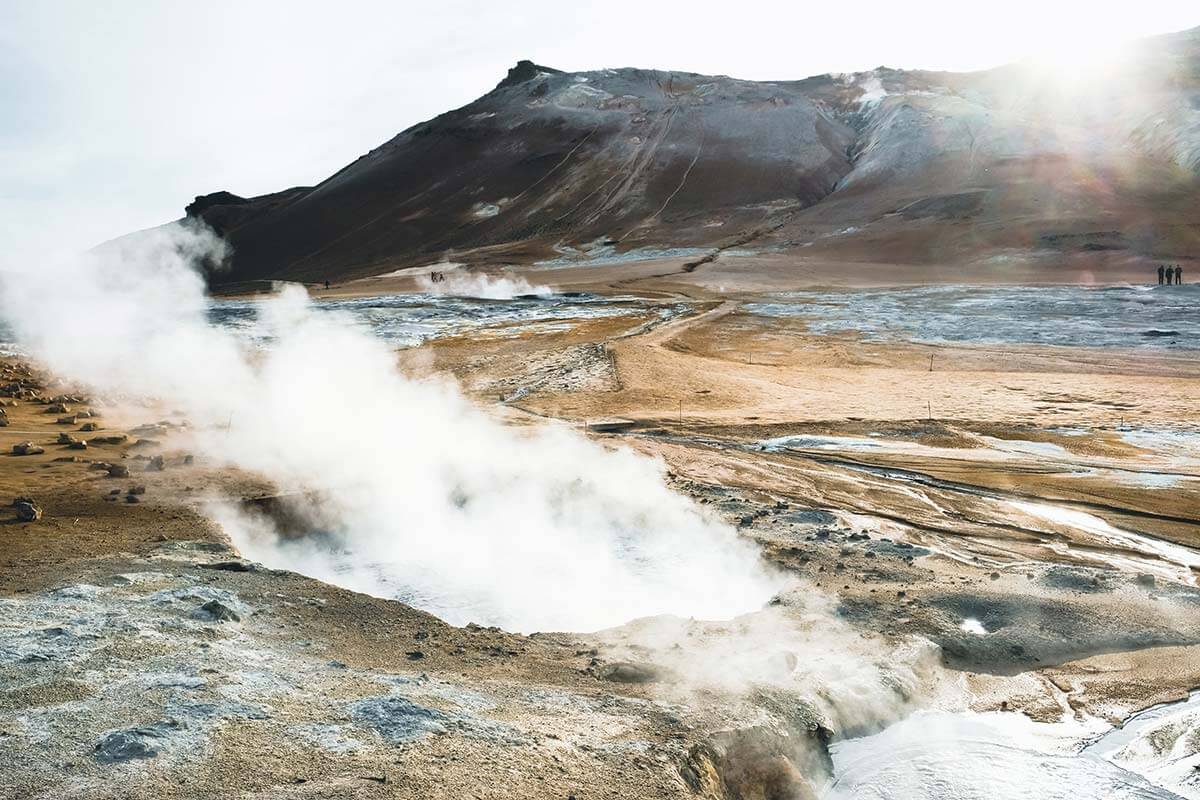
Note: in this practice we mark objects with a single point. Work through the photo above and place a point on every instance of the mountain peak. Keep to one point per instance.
(525, 70)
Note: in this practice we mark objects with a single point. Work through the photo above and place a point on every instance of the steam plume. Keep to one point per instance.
(421, 495)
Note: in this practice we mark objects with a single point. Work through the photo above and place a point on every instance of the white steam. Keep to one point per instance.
(858, 684)
(421, 494)
(457, 283)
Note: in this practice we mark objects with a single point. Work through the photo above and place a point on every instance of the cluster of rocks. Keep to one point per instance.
(71, 442)
(19, 382)
(132, 494)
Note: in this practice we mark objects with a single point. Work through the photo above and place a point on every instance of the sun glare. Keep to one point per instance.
(1081, 57)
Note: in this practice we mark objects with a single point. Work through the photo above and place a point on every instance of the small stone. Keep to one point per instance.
(88, 427)
(27, 449)
(27, 510)
(156, 464)
(118, 471)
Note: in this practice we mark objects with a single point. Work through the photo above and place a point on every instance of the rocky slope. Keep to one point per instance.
(1021, 162)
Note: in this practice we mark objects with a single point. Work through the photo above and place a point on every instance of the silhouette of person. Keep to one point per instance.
(1160, 274)
(1178, 274)
(327, 284)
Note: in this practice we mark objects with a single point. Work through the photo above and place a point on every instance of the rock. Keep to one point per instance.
(140, 742)
(230, 566)
(88, 427)
(66, 438)
(78, 444)
(118, 471)
(1145, 580)
(156, 464)
(138, 489)
(58, 408)
(71, 420)
(114, 438)
(27, 449)
(132, 498)
(220, 612)
(27, 510)
(628, 672)
(189, 459)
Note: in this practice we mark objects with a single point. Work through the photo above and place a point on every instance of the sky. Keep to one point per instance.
(113, 116)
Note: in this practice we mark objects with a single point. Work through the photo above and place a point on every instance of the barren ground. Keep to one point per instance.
(995, 486)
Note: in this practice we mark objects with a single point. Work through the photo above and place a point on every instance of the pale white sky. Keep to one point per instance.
(114, 115)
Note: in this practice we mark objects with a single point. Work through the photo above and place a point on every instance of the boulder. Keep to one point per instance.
(71, 420)
(66, 438)
(156, 464)
(58, 408)
(220, 612)
(118, 471)
(628, 672)
(89, 427)
(27, 449)
(133, 743)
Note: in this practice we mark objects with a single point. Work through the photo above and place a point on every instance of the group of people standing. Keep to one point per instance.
(1167, 271)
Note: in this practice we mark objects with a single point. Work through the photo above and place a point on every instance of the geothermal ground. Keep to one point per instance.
(987, 536)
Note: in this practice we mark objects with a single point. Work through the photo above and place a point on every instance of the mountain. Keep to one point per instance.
(1024, 163)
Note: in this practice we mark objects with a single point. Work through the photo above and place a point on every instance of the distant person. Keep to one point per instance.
(1160, 274)
(327, 283)
(1178, 274)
